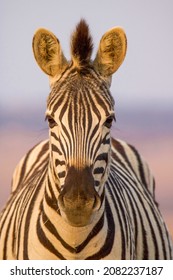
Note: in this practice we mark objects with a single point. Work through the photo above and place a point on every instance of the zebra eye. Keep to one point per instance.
(108, 122)
(51, 122)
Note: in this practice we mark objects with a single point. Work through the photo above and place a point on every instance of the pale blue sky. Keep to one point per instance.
(146, 76)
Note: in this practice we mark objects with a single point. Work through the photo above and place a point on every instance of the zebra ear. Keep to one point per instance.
(111, 52)
(48, 53)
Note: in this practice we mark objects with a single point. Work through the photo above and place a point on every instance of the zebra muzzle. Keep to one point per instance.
(78, 200)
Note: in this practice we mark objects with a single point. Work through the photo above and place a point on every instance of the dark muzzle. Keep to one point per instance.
(79, 200)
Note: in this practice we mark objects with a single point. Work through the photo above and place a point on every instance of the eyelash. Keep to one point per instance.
(109, 121)
(51, 121)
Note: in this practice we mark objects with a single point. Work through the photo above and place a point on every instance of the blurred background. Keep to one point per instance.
(142, 87)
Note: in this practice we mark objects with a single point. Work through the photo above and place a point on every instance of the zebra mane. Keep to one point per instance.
(81, 44)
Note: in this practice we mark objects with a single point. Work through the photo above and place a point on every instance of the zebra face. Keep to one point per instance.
(80, 112)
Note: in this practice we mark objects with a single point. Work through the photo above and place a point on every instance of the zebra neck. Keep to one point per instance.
(76, 237)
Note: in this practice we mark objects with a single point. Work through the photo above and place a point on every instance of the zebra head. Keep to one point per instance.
(80, 111)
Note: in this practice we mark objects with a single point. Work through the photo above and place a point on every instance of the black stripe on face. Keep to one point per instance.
(106, 139)
(99, 170)
(103, 156)
(97, 183)
(55, 149)
(61, 174)
(59, 162)
(52, 134)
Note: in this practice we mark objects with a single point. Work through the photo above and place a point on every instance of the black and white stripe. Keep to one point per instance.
(130, 226)
(81, 165)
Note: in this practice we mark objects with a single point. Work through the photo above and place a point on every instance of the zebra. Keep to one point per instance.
(82, 194)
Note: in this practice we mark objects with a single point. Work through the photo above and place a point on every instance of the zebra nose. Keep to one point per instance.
(79, 199)
(78, 212)
(80, 202)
